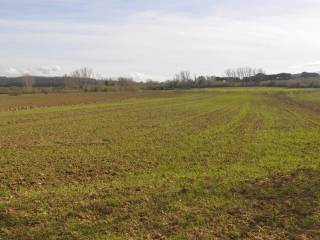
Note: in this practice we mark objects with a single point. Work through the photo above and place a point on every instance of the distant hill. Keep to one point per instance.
(300, 80)
(38, 81)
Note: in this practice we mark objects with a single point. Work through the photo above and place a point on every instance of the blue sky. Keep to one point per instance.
(155, 39)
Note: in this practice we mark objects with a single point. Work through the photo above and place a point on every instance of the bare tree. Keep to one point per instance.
(80, 78)
(242, 72)
(183, 76)
(85, 73)
(27, 81)
(229, 73)
(232, 73)
(70, 82)
(182, 80)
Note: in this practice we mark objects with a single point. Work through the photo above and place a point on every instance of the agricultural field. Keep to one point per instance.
(201, 164)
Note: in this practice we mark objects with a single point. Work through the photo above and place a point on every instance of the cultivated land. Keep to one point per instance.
(204, 164)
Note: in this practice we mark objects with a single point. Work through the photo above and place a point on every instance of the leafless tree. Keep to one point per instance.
(229, 73)
(183, 76)
(242, 72)
(80, 78)
(70, 82)
(84, 73)
(27, 81)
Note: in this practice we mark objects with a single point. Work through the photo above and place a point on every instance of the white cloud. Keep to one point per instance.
(313, 64)
(310, 66)
(156, 44)
(49, 70)
(11, 71)
(142, 77)
(54, 70)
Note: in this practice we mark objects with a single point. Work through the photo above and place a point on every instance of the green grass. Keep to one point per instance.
(200, 164)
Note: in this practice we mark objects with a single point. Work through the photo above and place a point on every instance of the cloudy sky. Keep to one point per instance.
(155, 39)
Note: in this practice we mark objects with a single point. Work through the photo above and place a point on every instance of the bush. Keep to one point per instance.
(14, 93)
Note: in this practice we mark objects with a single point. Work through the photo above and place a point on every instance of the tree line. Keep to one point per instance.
(243, 76)
(85, 78)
